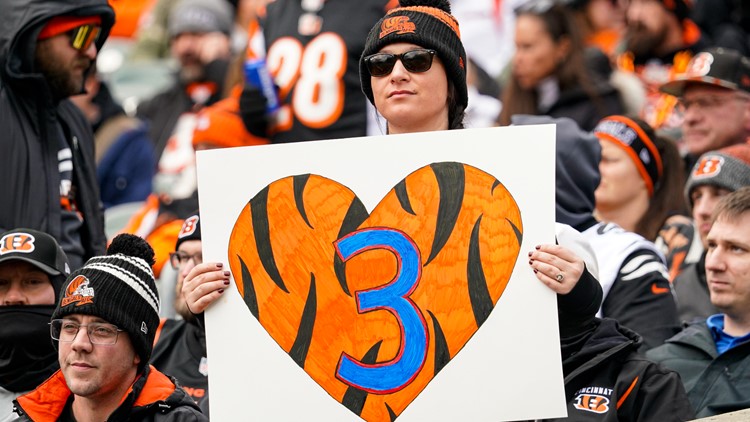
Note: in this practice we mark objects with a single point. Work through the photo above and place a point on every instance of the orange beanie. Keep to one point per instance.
(61, 24)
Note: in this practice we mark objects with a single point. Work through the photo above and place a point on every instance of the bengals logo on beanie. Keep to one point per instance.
(78, 293)
(397, 24)
(727, 168)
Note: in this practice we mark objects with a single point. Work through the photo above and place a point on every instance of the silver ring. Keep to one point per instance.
(559, 277)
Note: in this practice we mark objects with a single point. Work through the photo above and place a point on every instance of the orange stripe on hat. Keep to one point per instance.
(62, 24)
(648, 178)
(440, 14)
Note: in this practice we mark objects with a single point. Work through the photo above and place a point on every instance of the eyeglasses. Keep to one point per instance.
(82, 36)
(415, 61)
(65, 330)
(708, 102)
(178, 259)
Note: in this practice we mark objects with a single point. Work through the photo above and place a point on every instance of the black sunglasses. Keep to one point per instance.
(415, 61)
(83, 36)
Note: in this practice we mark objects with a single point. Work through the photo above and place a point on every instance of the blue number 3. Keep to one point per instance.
(387, 377)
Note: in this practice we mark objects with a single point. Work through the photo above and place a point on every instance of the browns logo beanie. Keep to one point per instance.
(118, 287)
(429, 24)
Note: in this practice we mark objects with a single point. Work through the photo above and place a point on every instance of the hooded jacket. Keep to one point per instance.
(715, 383)
(606, 379)
(152, 397)
(29, 117)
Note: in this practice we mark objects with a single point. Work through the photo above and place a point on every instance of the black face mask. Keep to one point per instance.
(27, 356)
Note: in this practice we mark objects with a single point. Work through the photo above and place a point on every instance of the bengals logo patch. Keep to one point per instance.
(78, 292)
(188, 227)
(398, 24)
(17, 242)
(708, 166)
(592, 403)
(700, 65)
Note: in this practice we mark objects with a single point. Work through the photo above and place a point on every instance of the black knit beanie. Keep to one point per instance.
(429, 24)
(119, 288)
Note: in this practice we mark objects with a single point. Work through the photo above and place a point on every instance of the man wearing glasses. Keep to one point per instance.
(714, 97)
(180, 348)
(104, 326)
(46, 50)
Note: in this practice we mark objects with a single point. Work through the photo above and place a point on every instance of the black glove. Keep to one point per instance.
(253, 111)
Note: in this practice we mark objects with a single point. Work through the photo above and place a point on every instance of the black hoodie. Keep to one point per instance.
(29, 121)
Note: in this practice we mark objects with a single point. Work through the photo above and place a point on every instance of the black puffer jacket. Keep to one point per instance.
(29, 115)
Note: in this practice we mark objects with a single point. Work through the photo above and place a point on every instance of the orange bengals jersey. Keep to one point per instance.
(318, 74)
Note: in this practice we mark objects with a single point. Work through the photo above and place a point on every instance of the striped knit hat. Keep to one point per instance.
(119, 288)
(727, 168)
(428, 24)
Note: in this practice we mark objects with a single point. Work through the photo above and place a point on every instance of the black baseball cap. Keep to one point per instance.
(719, 67)
(35, 247)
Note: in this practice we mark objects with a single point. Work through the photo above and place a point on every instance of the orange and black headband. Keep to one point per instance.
(629, 136)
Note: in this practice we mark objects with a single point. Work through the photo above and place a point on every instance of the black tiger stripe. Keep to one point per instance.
(301, 344)
(442, 354)
(403, 197)
(355, 215)
(249, 290)
(519, 235)
(391, 413)
(451, 179)
(339, 267)
(354, 398)
(259, 210)
(299, 188)
(495, 184)
(479, 294)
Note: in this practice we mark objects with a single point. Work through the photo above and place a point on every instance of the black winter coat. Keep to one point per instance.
(607, 380)
(30, 190)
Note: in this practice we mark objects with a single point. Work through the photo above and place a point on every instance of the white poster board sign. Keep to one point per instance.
(372, 265)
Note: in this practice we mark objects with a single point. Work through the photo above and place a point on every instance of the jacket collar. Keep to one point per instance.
(47, 401)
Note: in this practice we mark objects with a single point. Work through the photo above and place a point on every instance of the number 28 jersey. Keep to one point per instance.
(318, 74)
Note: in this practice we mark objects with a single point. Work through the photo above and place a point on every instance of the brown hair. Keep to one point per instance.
(668, 198)
(559, 23)
(733, 205)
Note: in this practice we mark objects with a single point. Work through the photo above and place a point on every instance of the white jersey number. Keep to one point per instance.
(316, 73)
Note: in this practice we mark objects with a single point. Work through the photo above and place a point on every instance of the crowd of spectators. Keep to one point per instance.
(103, 105)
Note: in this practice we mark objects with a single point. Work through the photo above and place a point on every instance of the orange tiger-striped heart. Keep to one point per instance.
(373, 306)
